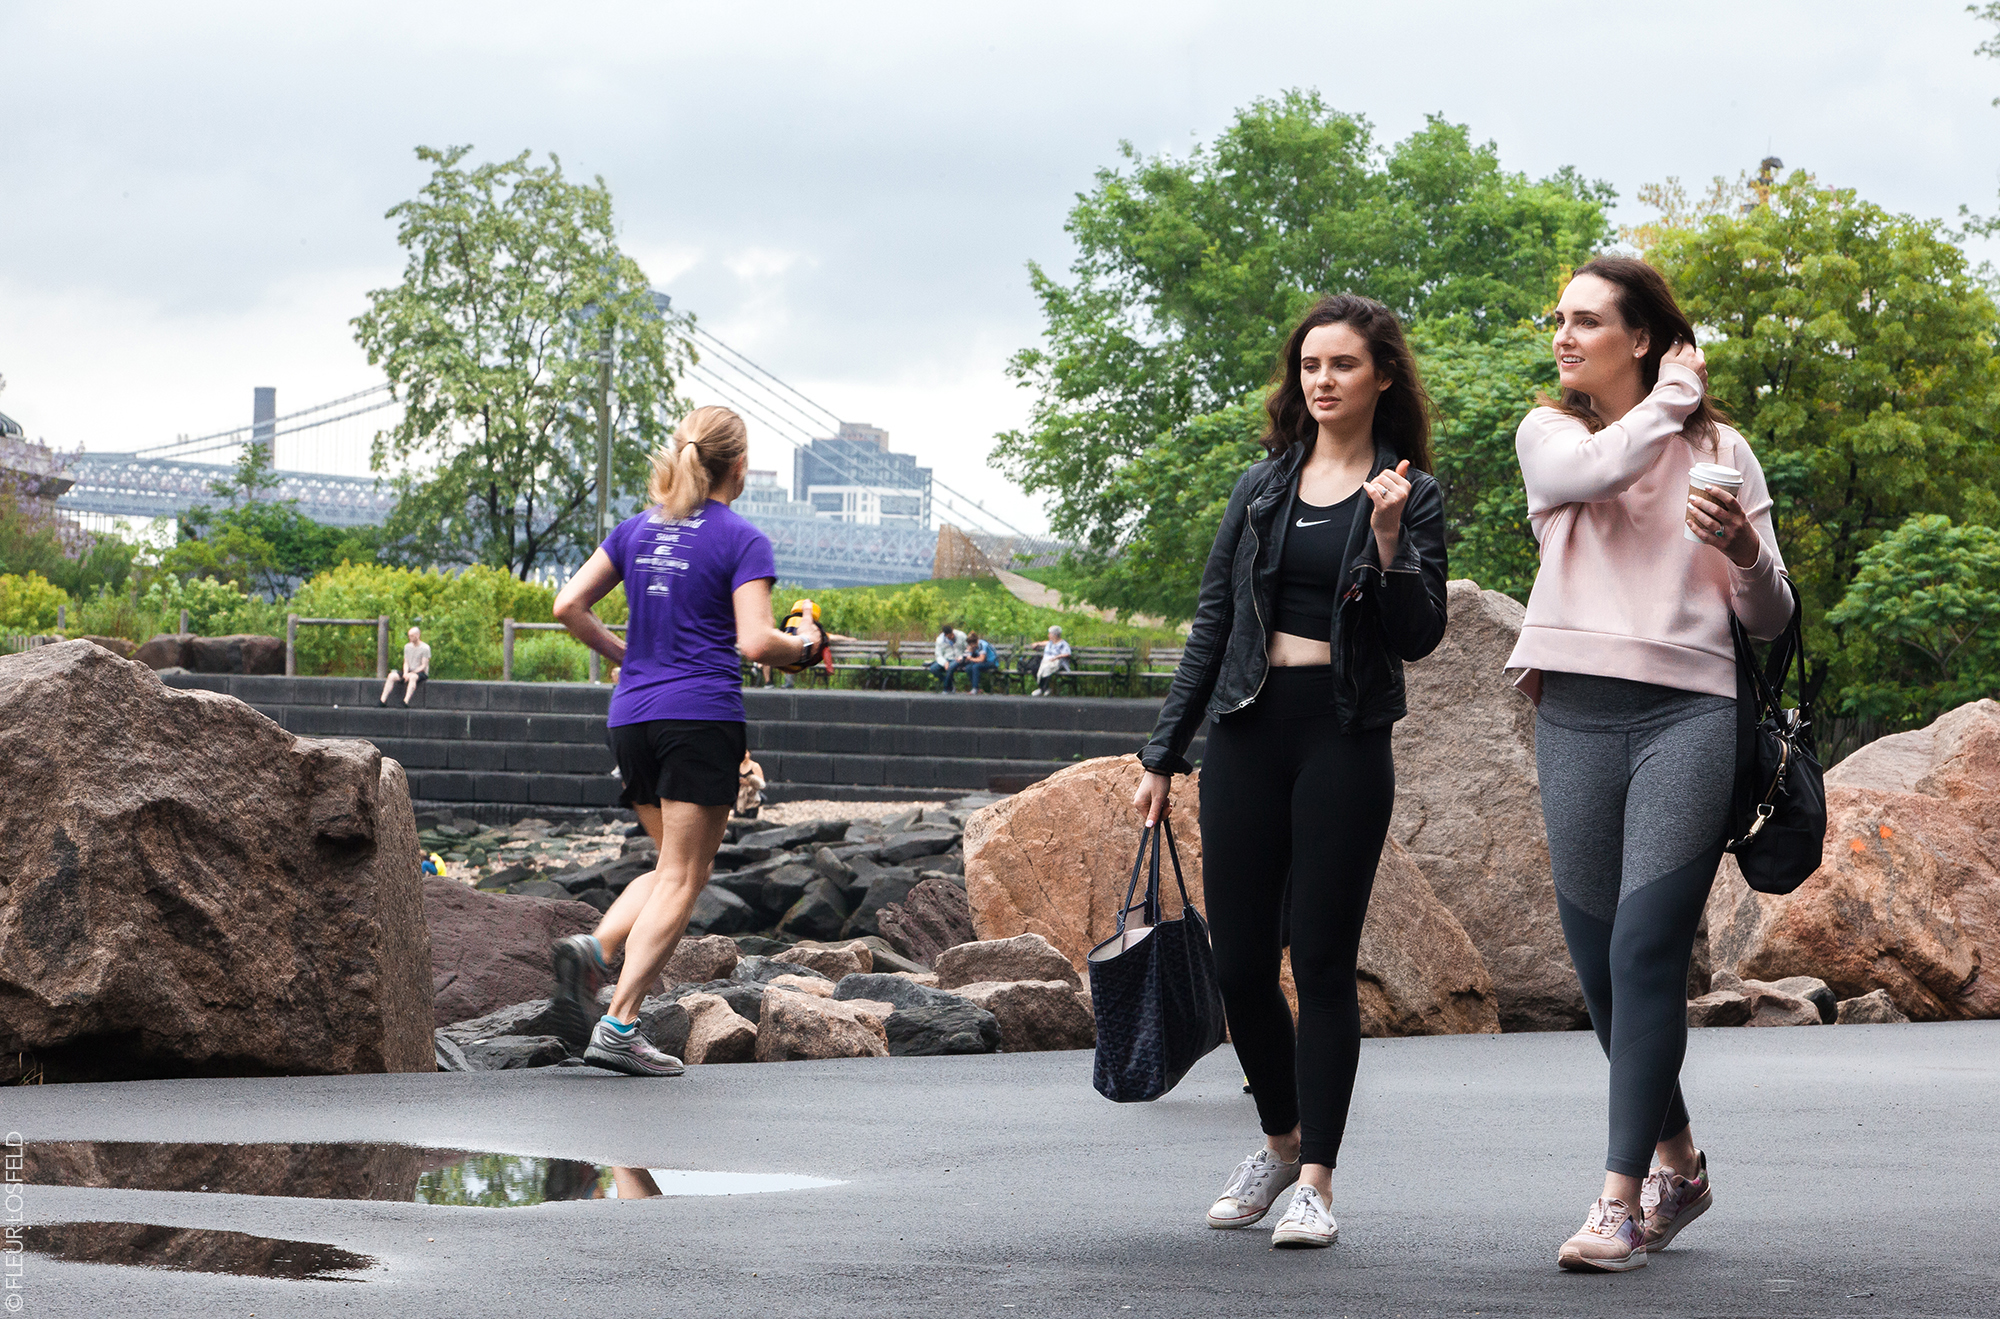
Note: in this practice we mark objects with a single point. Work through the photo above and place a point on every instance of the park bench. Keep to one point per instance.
(1108, 666)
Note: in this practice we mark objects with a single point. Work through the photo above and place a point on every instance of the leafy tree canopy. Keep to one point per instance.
(1926, 606)
(1190, 271)
(1856, 352)
(513, 284)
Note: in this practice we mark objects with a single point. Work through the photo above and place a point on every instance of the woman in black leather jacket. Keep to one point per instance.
(1328, 573)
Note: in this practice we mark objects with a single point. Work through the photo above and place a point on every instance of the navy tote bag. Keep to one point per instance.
(1153, 988)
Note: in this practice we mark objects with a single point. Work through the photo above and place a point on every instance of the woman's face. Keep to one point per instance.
(1338, 377)
(1595, 349)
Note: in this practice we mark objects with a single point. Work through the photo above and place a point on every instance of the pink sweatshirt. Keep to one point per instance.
(1621, 593)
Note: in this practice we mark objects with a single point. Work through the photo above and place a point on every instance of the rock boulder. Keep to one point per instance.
(1907, 899)
(1052, 861)
(702, 957)
(191, 890)
(1023, 957)
(1875, 1008)
(717, 1033)
(1036, 1015)
(1469, 810)
(490, 950)
(800, 1026)
(932, 917)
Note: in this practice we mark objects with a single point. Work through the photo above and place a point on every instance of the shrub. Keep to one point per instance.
(214, 608)
(550, 657)
(28, 603)
(459, 613)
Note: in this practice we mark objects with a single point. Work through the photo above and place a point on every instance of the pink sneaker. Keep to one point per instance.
(1671, 1201)
(1611, 1240)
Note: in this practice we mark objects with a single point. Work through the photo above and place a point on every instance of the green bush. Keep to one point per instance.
(459, 613)
(28, 603)
(214, 608)
(550, 657)
(112, 613)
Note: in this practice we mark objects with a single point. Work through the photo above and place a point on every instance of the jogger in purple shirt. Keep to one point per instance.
(698, 581)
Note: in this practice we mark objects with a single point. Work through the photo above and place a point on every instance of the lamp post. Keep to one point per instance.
(604, 433)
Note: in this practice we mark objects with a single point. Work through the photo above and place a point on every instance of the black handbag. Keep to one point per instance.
(1777, 817)
(1154, 989)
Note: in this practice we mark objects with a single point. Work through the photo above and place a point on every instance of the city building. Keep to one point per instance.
(764, 498)
(852, 477)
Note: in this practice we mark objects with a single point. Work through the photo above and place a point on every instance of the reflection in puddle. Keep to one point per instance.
(193, 1250)
(375, 1171)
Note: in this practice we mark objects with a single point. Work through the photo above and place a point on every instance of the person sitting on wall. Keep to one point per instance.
(980, 658)
(949, 650)
(416, 668)
(1055, 659)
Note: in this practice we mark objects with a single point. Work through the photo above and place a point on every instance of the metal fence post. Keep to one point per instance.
(506, 650)
(62, 618)
(596, 663)
(381, 646)
(291, 645)
(184, 622)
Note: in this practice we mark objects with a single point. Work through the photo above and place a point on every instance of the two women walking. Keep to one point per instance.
(1327, 575)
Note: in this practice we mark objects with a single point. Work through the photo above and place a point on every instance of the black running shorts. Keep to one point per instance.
(690, 760)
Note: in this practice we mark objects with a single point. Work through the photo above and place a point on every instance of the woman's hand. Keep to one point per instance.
(1153, 800)
(1718, 519)
(1689, 356)
(1389, 491)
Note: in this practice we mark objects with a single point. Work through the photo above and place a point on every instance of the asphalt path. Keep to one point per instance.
(1854, 1170)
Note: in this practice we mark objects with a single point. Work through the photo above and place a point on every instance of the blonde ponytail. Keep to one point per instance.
(705, 447)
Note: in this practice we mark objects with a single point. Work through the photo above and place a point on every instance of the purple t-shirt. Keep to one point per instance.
(680, 640)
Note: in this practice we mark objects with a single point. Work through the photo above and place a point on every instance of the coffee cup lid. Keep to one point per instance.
(1714, 474)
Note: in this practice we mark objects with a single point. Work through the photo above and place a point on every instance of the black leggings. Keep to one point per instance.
(1287, 799)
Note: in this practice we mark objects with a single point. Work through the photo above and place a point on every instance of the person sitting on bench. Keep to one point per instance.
(1055, 659)
(949, 650)
(980, 658)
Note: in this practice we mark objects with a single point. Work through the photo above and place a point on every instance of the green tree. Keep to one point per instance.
(1926, 602)
(1189, 272)
(251, 478)
(266, 545)
(1483, 387)
(1856, 352)
(513, 286)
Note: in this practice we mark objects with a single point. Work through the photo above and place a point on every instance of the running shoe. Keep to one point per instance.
(627, 1050)
(1672, 1201)
(1611, 1240)
(1307, 1223)
(580, 973)
(1253, 1188)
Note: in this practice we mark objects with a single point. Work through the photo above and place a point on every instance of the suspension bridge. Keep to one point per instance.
(320, 458)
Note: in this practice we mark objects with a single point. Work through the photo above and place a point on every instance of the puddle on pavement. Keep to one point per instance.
(323, 1171)
(193, 1250)
(375, 1171)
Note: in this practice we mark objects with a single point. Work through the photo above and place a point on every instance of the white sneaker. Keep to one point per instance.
(1307, 1223)
(1253, 1188)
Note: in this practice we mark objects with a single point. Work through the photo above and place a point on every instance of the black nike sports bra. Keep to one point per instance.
(1314, 566)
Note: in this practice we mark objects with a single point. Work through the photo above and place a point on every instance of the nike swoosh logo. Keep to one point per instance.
(1303, 523)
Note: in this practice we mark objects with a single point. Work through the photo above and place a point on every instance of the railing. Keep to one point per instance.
(508, 627)
(293, 623)
(21, 645)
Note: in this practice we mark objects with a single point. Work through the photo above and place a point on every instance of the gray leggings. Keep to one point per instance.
(1635, 791)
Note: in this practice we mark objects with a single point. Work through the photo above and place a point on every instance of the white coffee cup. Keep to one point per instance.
(1715, 476)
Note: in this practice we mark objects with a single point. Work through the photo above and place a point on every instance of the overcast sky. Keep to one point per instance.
(194, 193)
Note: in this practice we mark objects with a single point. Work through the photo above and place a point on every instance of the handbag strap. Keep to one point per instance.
(1180, 881)
(1146, 835)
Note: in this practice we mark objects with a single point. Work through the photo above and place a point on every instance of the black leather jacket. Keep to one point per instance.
(1383, 618)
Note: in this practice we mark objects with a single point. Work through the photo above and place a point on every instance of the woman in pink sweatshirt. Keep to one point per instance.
(1626, 652)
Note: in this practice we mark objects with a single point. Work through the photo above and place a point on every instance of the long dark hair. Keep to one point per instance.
(1402, 413)
(1645, 302)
